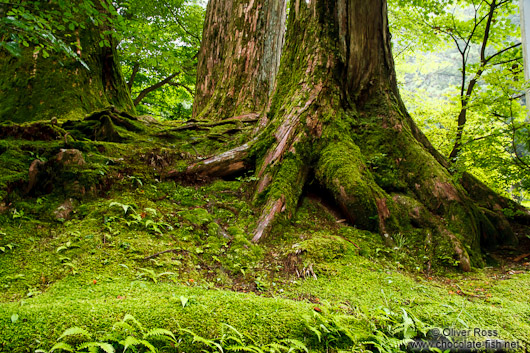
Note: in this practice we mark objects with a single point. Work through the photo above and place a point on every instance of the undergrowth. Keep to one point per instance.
(83, 264)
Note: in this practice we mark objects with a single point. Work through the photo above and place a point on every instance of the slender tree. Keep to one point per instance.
(335, 120)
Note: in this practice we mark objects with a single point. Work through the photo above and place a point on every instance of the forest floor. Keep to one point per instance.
(115, 231)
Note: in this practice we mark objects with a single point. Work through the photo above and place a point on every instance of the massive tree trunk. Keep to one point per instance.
(336, 119)
(33, 87)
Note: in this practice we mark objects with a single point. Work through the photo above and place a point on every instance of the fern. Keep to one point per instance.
(295, 345)
(275, 348)
(232, 328)
(126, 208)
(243, 348)
(124, 326)
(74, 331)
(106, 347)
(159, 332)
(63, 346)
(316, 332)
(129, 317)
(130, 341)
(149, 346)
(205, 341)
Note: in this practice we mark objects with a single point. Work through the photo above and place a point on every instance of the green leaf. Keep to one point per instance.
(14, 318)
(183, 301)
(12, 47)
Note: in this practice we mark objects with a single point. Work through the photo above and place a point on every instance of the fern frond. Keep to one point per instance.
(124, 326)
(160, 332)
(316, 332)
(243, 348)
(106, 347)
(130, 341)
(207, 342)
(148, 345)
(275, 348)
(74, 331)
(63, 346)
(235, 339)
(230, 327)
(129, 317)
(295, 345)
(188, 331)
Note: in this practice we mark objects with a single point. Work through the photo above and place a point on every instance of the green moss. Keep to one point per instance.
(322, 247)
(342, 169)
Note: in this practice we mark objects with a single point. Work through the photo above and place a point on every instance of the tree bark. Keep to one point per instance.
(239, 57)
(336, 118)
(37, 88)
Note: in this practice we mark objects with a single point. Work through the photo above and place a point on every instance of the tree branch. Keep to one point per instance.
(176, 84)
(136, 68)
(154, 87)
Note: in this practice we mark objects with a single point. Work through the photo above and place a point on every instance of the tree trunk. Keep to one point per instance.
(37, 88)
(239, 57)
(336, 119)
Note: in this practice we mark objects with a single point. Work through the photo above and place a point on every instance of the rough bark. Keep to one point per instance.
(236, 71)
(336, 118)
(36, 88)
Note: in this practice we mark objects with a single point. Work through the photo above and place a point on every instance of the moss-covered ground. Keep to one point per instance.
(124, 233)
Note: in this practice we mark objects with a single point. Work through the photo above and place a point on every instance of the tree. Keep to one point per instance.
(65, 61)
(335, 121)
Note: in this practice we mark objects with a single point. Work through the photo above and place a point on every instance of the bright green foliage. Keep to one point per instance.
(438, 56)
(161, 39)
(33, 23)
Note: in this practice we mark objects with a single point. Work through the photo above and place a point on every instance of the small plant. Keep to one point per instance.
(394, 331)
(128, 335)
(126, 208)
(7, 247)
(400, 241)
(152, 275)
(329, 331)
(41, 200)
(248, 178)
(66, 246)
(18, 214)
(146, 219)
(157, 226)
(260, 284)
(71, 267)
(135, 181)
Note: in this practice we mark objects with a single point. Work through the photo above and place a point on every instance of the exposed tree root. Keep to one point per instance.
(227, 163)
(206, 125)
(102, 125)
